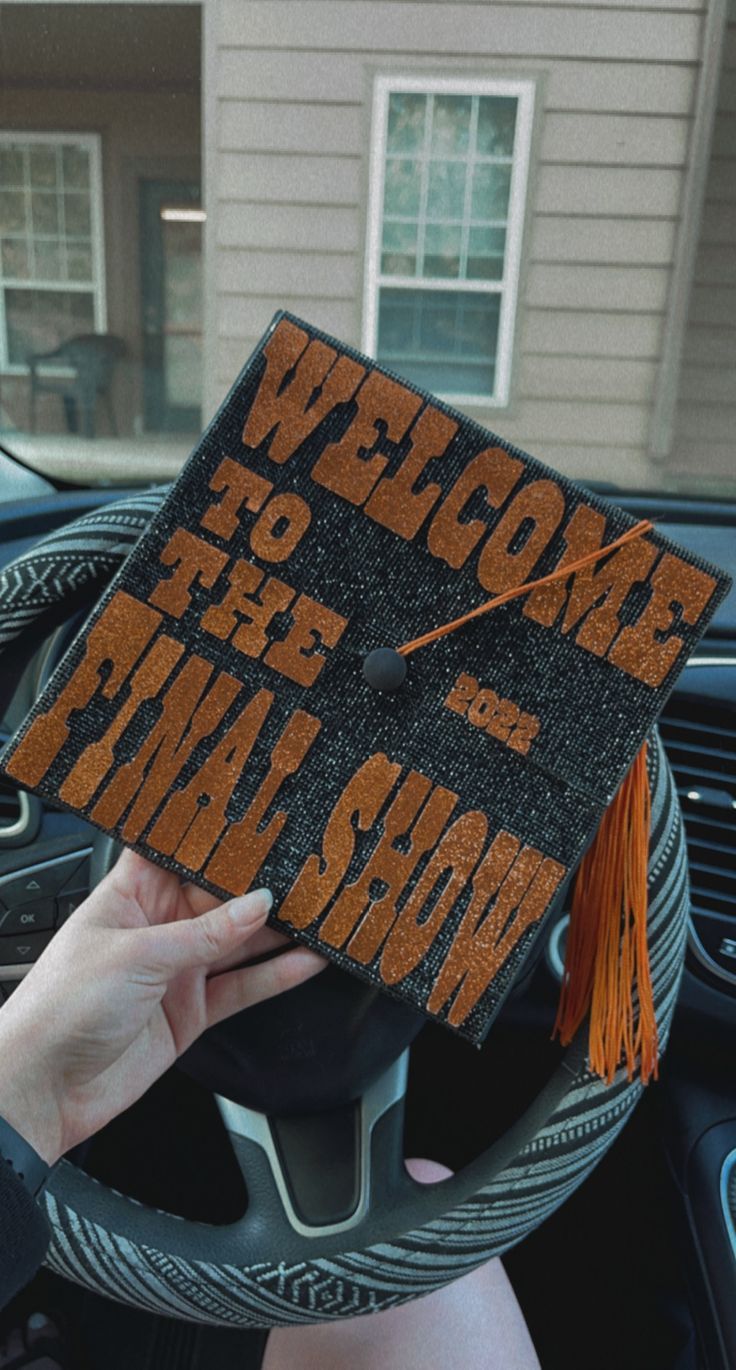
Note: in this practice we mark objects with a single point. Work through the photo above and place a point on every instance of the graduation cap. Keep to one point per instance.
(379, 659)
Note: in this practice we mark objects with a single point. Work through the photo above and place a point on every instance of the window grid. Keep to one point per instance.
(466, 220)
(504, 251)
(88, 282)
(29, 237)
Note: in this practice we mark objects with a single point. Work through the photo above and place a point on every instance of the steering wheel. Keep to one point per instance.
(311, 1090)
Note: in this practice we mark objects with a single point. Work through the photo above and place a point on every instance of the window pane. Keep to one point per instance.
(11, 167)
(75, 168)
(79, 262)
(496, 125)
(48, 261)
(183, 369)
(39, 320)
(451, 125)
(491, 185)
(12, 211)
(15, 259)
(399, 249)
(183, 277)
(444, 340)
(44, 212)
(406, 114)
(77, 219)
(442, 246)
(42, 161)
(485, 254)
(446, 197)
(403, 179)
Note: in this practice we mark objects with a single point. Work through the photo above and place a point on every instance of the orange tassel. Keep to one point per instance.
(607, 955)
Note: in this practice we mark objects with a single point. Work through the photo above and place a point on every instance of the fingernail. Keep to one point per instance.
(243, 909)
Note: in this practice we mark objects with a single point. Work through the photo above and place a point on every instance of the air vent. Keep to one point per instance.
(14, 811)
(700, 740)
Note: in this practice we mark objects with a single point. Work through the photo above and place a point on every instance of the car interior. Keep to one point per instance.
(265, 1170)
(651, 1230)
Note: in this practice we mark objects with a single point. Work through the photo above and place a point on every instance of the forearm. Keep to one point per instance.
(27, 1096)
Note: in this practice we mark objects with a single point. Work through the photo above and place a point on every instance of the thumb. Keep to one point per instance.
(206, 938)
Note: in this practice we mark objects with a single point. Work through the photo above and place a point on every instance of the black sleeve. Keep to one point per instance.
(24, 1235)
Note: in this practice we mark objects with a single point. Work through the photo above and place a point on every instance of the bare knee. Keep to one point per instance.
(427, 1172)
(475, 1321)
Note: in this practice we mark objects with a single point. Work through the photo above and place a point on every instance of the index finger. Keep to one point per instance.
(264, 940)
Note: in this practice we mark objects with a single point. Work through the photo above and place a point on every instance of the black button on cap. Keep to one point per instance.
(384, 669)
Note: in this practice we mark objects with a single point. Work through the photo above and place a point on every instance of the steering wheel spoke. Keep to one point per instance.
(319, 1172)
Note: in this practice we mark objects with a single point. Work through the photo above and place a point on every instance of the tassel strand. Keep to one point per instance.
(607, 956)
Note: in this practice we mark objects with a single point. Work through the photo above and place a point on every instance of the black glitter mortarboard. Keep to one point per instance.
(237, 710)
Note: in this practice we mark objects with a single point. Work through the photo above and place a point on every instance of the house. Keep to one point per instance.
(528, 207)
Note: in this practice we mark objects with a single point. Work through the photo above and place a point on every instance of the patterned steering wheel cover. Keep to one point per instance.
(99, 1238)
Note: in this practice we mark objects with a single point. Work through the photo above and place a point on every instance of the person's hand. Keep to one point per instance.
(142, 967)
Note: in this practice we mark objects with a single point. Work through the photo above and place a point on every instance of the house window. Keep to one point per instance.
(448, 184)
(51, 276)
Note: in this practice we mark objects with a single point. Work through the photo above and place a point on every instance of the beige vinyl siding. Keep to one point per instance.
(706, 415)
(287, 185)
(620, 87)
(590, 30)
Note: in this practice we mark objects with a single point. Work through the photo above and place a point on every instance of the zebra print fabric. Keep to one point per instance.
(83, 555)
(555, 1152)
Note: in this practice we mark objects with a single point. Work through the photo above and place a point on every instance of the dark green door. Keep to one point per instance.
(171, 298)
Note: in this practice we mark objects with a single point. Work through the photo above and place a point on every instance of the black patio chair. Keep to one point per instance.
(92, 357)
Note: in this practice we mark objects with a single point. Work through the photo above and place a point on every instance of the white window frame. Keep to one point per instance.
(91, 142)
(507, 287)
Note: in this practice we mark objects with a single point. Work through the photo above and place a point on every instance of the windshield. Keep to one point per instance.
(534, 220)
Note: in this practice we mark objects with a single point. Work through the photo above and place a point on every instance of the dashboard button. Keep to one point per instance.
(20, 951)
(28, 918)
(78, 876)
(67, 903)
(41, 882)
